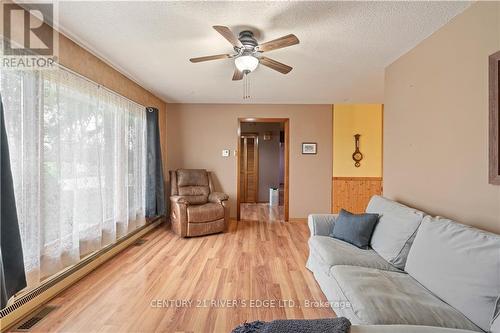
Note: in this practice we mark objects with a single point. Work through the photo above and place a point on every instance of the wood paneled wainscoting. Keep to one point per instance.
(353, 193)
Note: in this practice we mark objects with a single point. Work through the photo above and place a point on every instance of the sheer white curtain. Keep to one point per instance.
(124, 132)
(78, 163)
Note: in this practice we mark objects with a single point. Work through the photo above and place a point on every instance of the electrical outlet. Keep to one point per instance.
(225, 153)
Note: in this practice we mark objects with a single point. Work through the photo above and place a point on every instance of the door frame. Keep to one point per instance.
(286, 126)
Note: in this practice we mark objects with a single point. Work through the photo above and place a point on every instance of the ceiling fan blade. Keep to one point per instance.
(238, 75)
(228, 34)
(279, 43)
(276, 65)
(213, 57)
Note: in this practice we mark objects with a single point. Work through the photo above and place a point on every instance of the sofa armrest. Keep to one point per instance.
(217, 197)
(321, 224)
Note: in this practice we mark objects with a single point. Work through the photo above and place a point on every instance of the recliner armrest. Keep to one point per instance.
(178, 214)
(321, 224)
(179, 199)
(217, 197)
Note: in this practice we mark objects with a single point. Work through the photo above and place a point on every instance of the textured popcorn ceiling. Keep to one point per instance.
(344, 46)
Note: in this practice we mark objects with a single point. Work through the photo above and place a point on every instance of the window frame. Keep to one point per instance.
(494, 118)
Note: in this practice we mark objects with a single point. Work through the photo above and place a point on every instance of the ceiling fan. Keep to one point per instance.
(248, 54)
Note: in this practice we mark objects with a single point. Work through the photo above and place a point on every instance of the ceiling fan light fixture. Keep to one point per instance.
(246, 63)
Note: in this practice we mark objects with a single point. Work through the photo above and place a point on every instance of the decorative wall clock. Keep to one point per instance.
(357, 156)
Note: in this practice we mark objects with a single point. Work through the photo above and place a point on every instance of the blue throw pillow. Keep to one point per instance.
(356, 229)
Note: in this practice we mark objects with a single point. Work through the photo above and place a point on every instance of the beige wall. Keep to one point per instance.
(436, 121)
(197, 133)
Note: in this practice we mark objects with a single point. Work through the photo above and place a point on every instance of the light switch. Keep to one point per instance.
(225, 153)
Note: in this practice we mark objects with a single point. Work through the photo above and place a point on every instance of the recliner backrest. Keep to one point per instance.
(192, 184)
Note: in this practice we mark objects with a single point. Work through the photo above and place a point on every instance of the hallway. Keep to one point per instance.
(262, 212)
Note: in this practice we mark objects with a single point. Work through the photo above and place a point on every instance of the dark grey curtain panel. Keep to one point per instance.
(12, 275)
(155, 195)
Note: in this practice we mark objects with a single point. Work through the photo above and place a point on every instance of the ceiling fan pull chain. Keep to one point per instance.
(246, 86)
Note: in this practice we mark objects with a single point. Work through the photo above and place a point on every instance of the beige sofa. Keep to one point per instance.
(421, 274)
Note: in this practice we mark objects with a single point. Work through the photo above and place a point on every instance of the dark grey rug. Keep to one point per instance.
(327, 325)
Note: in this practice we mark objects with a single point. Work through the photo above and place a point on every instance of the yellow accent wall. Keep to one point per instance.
(351, 119)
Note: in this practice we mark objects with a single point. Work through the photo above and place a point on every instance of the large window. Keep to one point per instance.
(78, 162)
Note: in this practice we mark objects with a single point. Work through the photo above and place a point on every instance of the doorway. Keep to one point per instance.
(263, 166)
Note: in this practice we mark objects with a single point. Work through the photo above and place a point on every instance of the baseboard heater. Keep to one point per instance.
(45, 286)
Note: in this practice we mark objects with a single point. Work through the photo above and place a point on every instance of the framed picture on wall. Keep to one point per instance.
(309, 148)
(494, 144)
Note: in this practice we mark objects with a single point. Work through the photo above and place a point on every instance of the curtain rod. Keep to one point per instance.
(97, 84)
(83, 77)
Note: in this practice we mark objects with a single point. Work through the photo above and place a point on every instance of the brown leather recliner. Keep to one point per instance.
(196, 209)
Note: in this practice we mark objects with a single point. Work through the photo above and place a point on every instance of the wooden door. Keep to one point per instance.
(249, 171)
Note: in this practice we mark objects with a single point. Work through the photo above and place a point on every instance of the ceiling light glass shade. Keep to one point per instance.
(246, 63)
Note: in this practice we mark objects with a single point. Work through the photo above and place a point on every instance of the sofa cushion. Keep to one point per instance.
(395, 229)
(378, 297)
(459, 264)
(331, 252)
(192, 177)
(205, 213)
(355, 229)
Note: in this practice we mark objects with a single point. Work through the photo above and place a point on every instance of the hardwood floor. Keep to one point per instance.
(136, 290)
(262, 212)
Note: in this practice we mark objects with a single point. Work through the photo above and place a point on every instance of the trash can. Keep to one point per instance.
(273, 196)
